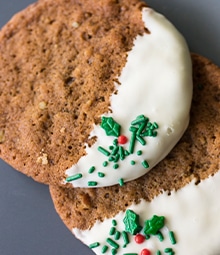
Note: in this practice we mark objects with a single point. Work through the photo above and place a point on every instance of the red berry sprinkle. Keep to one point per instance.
(122, 139)
(139, 239)
(145, 252)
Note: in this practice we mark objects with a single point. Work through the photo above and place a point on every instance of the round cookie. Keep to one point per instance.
(144, 122)
(59, 61)
(175, 205)
(66, 69)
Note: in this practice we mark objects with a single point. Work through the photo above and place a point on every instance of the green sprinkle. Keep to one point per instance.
(141, 128)
(130, 254)
(133, 129)
(116, 166)
(103, 151)
(112, 243)
(114, 251)
(125, 238)
(139, 153)
(133, 162)
(155, 125)
(74, 177)
(160, 236)
(111, 159)
(145, 164)
(172, 237)
(115, 142)
(158, 253)
(115, 150)
(132, 142)
(139, 120)
(168, 250)
(117, 235)
(150, 133)
(112, 231)
(147, 133)
(104, 249)
(101, 175)
(117, 158)
(114, 222)
(141, 140)
(92, 183)
(91, 170)
(126, 153)
(154, 133)
(105, 163)
(111, 147)
(121, 182)
(147, 237)
(94, 245)
(121, 153)
(140, 116)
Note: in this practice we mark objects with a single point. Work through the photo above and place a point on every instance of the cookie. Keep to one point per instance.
(78, 76)
(174, 208)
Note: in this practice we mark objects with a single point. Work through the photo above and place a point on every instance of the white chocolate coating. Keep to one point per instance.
(156, 82)
(192, 213)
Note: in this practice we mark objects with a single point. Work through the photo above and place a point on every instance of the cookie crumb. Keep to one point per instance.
(42, 105)
(62, 130)
(75, 24)
(43, 159)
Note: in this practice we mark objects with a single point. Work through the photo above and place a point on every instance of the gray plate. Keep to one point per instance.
(29, 224)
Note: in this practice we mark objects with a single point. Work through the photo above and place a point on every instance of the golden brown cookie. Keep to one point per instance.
(196, 156)
(79, 76)
(59, 61)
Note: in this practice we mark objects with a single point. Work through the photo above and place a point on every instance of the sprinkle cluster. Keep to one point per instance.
(140, 128)
(139, 233)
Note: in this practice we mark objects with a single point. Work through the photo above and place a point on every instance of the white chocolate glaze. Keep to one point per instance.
(192, 213)
(156, 82)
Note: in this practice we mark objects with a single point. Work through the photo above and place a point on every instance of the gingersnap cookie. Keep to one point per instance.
(174, 208)
(93, 93)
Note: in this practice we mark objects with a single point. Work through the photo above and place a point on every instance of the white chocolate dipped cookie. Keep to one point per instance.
(174, 208)
(183, 222)
(148, 113)
(91, 91)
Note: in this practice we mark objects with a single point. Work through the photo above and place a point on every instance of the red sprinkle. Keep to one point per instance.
(145, 252)
(139, 239)
(122, 139)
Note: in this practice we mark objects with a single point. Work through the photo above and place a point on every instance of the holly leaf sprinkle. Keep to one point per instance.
(153, 225)
(111, 127)
(131, 221)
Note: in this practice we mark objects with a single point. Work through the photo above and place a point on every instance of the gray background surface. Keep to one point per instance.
(29, 224)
